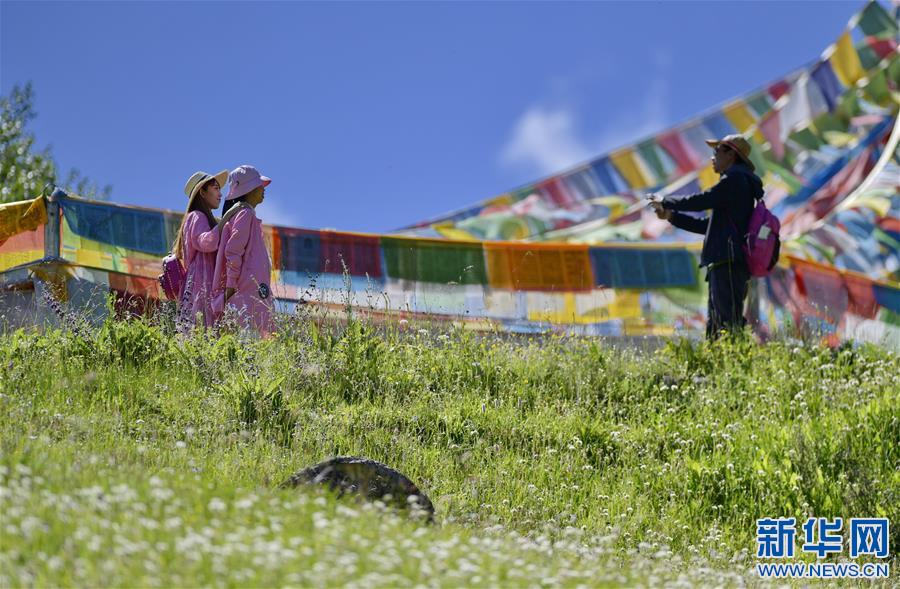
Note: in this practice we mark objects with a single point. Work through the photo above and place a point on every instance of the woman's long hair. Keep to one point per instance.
(195, 204)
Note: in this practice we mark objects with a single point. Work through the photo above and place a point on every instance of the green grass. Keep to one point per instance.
(133, 457)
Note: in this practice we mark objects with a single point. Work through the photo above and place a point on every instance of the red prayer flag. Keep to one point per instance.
(778, 89)
(770, 127)
(557, 191)
(862, 297)
(360, 254)
(825, 291)
(882, 47)
(889, 224)
(682, 154)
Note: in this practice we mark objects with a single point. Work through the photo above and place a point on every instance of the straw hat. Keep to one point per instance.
(198, 179)
(738, 144)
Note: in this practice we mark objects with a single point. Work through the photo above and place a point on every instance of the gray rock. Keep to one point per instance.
(367, 478)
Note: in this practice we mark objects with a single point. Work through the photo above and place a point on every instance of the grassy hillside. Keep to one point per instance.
(134, 457)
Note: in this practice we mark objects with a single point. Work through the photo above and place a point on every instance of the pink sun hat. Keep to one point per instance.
(243, 179)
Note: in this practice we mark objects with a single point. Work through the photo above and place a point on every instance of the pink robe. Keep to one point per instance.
(199, 244)
(243, 263)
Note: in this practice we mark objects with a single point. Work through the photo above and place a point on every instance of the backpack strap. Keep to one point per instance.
(233, 211)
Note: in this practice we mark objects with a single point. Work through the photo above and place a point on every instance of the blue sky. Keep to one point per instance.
(370, 116)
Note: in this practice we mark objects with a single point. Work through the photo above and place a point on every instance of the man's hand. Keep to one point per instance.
(661, 212)
(229, 292)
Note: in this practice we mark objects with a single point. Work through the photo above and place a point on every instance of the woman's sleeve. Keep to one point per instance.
(201, 236)
(235, 245)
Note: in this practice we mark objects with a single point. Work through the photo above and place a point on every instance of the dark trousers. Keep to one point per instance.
(728, 285)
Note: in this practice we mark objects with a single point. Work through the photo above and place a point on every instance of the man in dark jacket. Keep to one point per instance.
(730, 202)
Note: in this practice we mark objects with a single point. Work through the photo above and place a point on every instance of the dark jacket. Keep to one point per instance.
(732, 201)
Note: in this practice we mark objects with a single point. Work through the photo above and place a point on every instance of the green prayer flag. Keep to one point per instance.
(884, 237)
(848, 107)
(889, 317)
(876, 89)
(867, 56)
(875, 20)
(434, 261)
(828, 122)
(760, 104)
(893, 71)
(648, 151)
(756, 156)
(807, 138)
(786, 176)
(523, 193)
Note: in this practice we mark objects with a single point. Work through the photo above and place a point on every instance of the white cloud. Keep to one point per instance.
(278, 211)
(546, 140)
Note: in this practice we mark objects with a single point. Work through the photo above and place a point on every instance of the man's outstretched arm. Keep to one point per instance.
(713, 198)
(688, 223)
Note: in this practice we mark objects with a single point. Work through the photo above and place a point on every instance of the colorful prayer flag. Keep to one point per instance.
(876, 88)
(696, 136)
(557, 192)
(582, 184)
(522, 266)
(875, 20)
(608, 177)
(643, 268)
(742, 118)
(634, 172)
(739, 115)
(770, 127)
(707, 177)
(760, 103)
(434, 260)
(720, 125)
(779, 89)
(655, 158)
(682, 154)
(845, 61)
(803, 104)
(823, 75)
(19, 217)
(359, 255)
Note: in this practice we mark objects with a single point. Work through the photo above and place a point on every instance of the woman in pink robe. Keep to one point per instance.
(243, 270)
(196, 246)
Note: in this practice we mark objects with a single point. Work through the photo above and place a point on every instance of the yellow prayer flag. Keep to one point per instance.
(632, 169)
(503, 199)
(627, 304)
(22, 216)
(616, 205)
(880, 204)
(450, 231)
(845, 61)
(838, 138)
(643, 326)
(707, 177)
(551, 307)
(740, 116)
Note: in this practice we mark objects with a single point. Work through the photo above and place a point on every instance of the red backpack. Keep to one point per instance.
(172, 278)
(762, 243)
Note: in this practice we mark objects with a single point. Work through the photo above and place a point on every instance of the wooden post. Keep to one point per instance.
(46, 274)
(51, 229)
